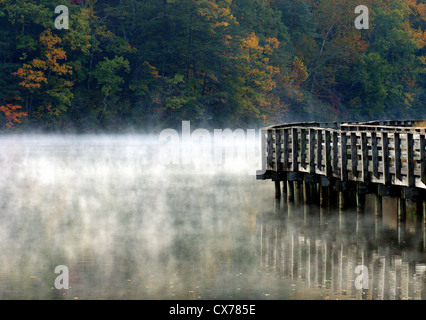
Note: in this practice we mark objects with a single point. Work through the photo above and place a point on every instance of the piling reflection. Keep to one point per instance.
(322, 246)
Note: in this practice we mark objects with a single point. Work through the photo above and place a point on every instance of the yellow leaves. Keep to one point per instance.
(12, 115)
(417, 8)
(32, 79)
(228, 39)
(409, 98)
(251, 42)
(418, 35)
(48, 40)
(52, 53)
(40, 64)
(273, 43)
(268, 85)
(216, 15)
(33, 73)
(299, 72)
(220, 24)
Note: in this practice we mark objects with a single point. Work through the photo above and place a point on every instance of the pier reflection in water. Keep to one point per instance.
(322, 246)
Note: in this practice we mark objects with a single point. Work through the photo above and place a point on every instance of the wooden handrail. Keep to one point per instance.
(362, 152)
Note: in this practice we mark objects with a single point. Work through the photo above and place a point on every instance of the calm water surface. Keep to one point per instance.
(128, 227)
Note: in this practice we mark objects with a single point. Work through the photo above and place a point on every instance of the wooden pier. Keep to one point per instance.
(385, 158)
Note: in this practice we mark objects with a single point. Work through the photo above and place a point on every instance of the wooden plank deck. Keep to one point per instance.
(381, 152)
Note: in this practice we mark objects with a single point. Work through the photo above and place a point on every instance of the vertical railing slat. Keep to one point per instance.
(344, 157)
(270, 148)
(375, 154)
(410, 160)
(278, 151)
(303, 148)
(423, 158)
(264, 147)
(398, 163)
(312, 151)
(386, 159)
(364, 147)
(319, 150)
(286, 150)
(295, 149)
(354, 154)
(335, 152)
(328, 172)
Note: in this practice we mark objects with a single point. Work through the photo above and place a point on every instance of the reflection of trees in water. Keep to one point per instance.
(322, 252)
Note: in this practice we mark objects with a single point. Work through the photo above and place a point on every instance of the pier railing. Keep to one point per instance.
(382, 152)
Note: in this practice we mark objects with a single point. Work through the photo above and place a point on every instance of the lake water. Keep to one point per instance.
(128, 226)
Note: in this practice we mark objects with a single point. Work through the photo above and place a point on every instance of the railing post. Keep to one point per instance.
(312, 151)
(328, 172)
(375, 154)
(303, 148)
(286, 151)
(354, 154)
(319, 150)
(398, 163)
(335, 152)
(264, 155)
(423, 159)
(386, 160)
(344, 159)
(410, 160)
(295, 149)
(278, 151)
(364, 147)
(270, 148)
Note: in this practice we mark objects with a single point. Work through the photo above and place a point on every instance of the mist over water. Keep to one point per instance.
(129, 226)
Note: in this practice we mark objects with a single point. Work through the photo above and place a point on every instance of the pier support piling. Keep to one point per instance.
(402, 215)
(284, 188)
(342, 200)
(277, 190)
(298, 192)
(378, 204)
(378, 213)
(323, 196)
(360, 202)
(306, 193)
(424, 224)
(402, 210)
(290, 191)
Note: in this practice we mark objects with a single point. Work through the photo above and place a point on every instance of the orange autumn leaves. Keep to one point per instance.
(36, 73)
(259, 70)
(33, 73)
(13, 116)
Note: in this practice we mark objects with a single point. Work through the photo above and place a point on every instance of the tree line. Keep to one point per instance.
(153, 63)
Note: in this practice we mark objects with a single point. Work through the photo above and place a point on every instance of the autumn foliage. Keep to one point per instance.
(219, 62)
(13, 116)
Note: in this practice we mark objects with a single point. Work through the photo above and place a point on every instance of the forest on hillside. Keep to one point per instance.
(147, 64)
